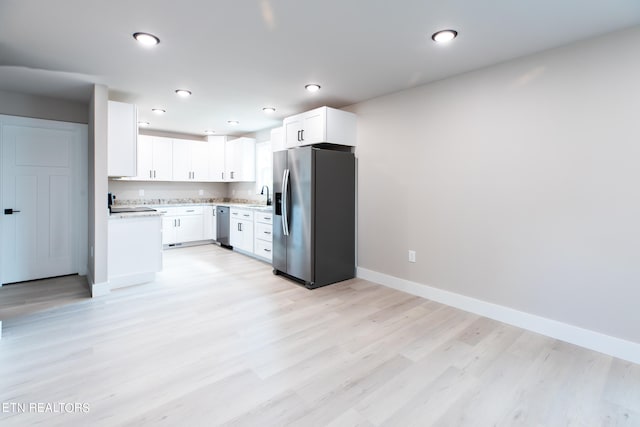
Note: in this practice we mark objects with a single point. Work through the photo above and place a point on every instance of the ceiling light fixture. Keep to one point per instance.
(146, 39)
(444, 36)
(143, 124)
(269, 110)
(233, 122)
(209, 132)
(312, 87)
(158, 110)
(183, 92)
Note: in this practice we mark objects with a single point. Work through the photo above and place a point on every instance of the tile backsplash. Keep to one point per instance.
(154, 192)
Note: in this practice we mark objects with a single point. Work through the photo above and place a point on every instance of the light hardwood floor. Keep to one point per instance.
(218, 340)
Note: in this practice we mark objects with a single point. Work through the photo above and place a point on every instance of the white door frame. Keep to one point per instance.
(80, 181)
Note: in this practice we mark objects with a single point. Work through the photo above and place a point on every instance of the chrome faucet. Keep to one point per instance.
(262, 193)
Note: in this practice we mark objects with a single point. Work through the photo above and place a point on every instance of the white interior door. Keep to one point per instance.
(41, 199)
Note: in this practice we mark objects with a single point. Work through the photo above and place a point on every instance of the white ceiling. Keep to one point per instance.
(238, 56)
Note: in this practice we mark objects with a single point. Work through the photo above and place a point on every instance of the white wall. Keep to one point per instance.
(42, 107)
(98, 189)
(516, 184)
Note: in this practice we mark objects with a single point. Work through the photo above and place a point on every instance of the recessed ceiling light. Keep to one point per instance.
(269, 110)
(146, 39)
(143, 124)
(444, 36)
(209, 132)
(312, 87)
(183, 92)
(233, 122)
(158, 110)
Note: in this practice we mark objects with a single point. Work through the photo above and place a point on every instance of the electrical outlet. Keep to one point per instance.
(412, 256)
(200, 192)
(141, 192)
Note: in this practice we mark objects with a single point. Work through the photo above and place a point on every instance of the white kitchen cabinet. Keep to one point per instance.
(210, 223)
(240, 160)
(216, 156)
(135, 250)
(263, 228)
(155, 158)
(122, 139)
(241, 229)
(320, 125)
(182, 224)
(277, 139)
(190, 160)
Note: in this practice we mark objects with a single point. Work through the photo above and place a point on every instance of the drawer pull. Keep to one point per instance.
(267, 232)
(247, 215)
(267, 218)
(267, 250)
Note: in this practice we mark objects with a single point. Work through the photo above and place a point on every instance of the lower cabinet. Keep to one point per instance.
(182, 224)
(262, 245)
(210, 223)
(249, 229)
(241, 229)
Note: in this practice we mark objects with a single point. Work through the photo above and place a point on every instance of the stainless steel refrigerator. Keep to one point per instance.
(314, 215)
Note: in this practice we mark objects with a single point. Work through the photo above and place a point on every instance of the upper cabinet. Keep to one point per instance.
(216, 157)
(240, 160)
(322, 125)
(277, 139)
(122, 139)
(214, 160)
(155, 158)
(190, 160)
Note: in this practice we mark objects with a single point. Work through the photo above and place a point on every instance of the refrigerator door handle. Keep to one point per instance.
(285, 202)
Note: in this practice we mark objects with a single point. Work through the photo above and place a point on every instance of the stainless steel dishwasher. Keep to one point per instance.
(222, 225)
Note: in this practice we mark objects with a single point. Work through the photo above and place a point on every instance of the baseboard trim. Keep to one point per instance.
(586, 338)
(100, 289)
(97, 289)
(131, 279)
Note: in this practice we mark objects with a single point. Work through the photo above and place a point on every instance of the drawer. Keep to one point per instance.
(263, 249)
(190, 210)
(169, 211)
(266, 218)
(263, 231)
(242, 214)
(181, 210)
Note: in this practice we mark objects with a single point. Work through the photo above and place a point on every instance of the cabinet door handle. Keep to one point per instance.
(302, 135)
(239, 227)
(247, 215)
(175, 222)
(298, 136)
(232, 174)
(150, 173)
(191, 210)
(154, 173)
(222, 175)
(266, 217)
(267, 250)
(267, 232)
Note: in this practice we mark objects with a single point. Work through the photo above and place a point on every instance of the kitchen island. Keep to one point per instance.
(135, 248)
